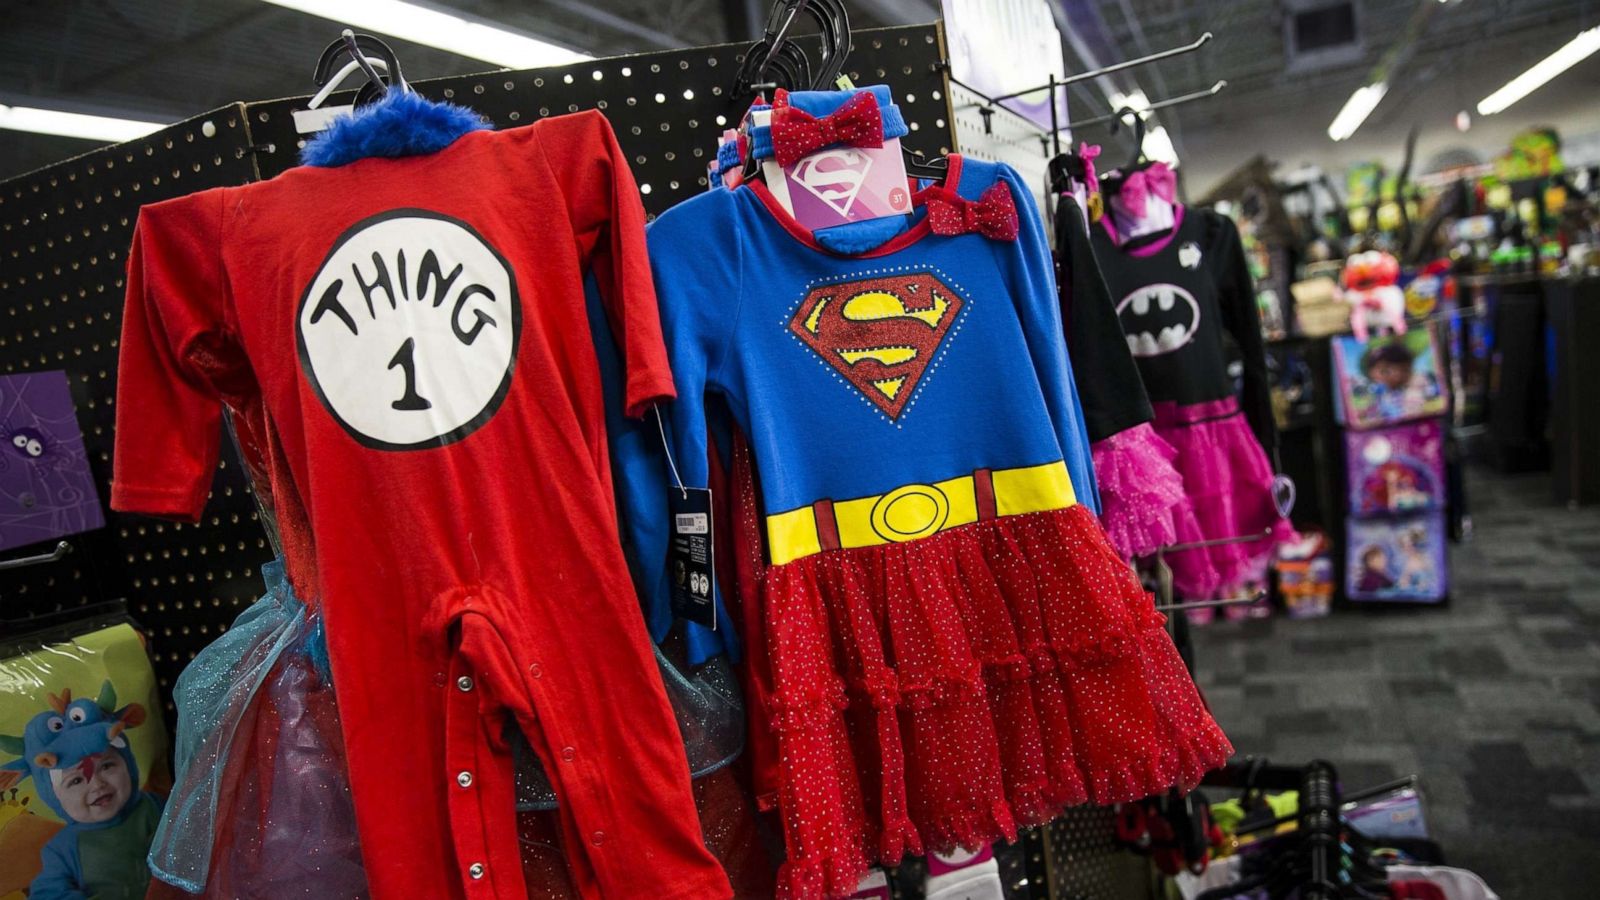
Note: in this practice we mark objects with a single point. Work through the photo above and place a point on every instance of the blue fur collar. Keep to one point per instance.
(401, 123)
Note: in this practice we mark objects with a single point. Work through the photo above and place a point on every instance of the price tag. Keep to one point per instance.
(689, 556)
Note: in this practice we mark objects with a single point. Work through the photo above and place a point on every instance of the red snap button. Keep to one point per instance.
(598, 838)
(567, 753)
(535, 670)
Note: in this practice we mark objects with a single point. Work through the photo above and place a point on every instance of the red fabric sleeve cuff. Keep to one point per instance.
(168, 503)
(646, 392)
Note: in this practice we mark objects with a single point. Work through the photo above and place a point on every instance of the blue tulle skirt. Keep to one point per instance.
(260, 805)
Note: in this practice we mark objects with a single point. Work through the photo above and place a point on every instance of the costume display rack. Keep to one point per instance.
(64, 235)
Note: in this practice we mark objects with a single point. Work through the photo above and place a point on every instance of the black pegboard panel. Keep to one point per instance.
(64, 236)
(667, 108)
(1085, 861)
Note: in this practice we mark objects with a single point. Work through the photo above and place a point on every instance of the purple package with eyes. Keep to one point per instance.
(46, 488)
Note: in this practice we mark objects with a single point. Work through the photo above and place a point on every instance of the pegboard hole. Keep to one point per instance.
(722, 121)
(626, 71)
(567, 78)
(644, 189)
(597, 75)
(661, 98)
(688, 93)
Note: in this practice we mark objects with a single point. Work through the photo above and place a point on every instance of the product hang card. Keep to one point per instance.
(689, 556)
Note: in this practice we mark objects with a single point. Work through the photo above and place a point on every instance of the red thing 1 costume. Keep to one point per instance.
(408, 337)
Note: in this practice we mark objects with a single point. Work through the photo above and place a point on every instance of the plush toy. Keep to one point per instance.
(1369, 284)
(84, 770)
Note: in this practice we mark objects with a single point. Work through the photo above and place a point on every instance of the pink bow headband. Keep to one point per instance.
(1158, 180)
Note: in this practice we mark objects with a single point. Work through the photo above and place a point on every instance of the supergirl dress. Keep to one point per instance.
(955, 649)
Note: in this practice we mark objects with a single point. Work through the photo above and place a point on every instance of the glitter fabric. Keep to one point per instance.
(1229, 484)
(795, 132)
(260, 806)
(1140, 492)
(993, 214)
(946, 691)
(727, 821)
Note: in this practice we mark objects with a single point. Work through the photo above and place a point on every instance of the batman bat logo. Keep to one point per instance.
(1158, 319)
(880, 334)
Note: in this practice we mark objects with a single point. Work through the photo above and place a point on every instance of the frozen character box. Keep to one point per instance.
(1401, 559)
(1389, 379)
(1395, 470)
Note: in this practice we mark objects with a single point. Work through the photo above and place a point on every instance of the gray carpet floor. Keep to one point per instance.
(1493, 700)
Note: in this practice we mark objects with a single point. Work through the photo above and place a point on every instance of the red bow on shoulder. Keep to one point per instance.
(795, 132)
(993, 215)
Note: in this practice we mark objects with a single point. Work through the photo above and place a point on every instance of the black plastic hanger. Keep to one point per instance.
(1138, 137)
(919, 164)
(776, 55)
(358, 47)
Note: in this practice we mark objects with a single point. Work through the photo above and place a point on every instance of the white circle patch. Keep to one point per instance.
(409, 331)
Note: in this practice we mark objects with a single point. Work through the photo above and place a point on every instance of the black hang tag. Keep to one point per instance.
(689, 556)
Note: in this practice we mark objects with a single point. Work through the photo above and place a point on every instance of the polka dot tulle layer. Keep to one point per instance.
(950, 690)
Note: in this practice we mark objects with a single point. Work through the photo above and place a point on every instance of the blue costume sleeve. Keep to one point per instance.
(641, 476)
(697, 272)
(1039, 306)
(60, 878)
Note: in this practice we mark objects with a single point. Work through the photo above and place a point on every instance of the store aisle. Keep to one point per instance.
(1493, 700)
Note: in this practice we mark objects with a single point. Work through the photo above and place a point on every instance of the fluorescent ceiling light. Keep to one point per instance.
(1356, 109)
(1577, 50)
(76, 125)
(436, 28)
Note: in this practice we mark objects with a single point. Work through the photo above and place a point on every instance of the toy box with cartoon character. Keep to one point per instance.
(1395, 470)
(1306, 575)
(1389, 379)
(83, 766)
(1396, 559)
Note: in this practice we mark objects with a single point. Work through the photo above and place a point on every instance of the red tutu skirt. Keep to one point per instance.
(944, 692)
(1228, 483)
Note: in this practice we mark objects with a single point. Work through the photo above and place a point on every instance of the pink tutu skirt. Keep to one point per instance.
(1141, 494)
(1228, 483)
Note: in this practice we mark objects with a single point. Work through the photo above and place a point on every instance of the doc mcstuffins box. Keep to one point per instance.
(1396, 470)
(1388, 379)
(1398, 560)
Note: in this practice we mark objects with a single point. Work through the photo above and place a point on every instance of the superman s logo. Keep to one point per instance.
(880, 334)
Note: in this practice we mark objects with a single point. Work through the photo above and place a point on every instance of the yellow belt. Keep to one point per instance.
(914, 511)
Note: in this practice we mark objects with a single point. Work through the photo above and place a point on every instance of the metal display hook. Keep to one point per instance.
(1105, 70)
(1161, 104)
(61, 550)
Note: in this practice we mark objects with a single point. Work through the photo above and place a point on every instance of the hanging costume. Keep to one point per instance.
(954, 649)
(1140, 492)
(1179, 295)
(415, 355)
